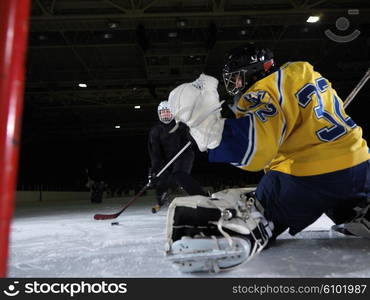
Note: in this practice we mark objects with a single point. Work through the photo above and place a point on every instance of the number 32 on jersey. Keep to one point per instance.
(338, 124)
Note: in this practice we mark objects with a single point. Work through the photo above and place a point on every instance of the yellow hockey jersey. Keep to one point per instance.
(296, 125)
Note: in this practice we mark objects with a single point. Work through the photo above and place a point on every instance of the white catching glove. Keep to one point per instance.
(197, 105)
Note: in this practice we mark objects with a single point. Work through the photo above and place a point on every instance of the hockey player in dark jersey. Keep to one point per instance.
(162, 146)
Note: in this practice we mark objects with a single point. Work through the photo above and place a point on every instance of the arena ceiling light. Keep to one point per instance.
(181, 23)
(313, 19)
(82, 85)
(113, 25)
(246, 21)
(137, 106)
(117, 126)
(42, 37)
(172, 34)
(107, 35)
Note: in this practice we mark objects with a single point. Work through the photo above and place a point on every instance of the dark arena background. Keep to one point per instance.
(96, 71)
(135, 55)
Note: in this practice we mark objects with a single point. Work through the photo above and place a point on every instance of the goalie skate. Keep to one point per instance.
(339, 231)
(208, 254)
(360, 225)
(360, 228)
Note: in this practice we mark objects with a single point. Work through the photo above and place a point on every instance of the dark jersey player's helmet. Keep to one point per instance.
(245, 65)
(164, 112)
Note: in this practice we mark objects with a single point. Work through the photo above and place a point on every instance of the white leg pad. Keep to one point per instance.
(208, 254)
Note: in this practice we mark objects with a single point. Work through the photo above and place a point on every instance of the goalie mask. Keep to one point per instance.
(164, 112)
(244, 66)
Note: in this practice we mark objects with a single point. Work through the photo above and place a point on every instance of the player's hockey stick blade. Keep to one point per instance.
(113, 216)
(137, 196)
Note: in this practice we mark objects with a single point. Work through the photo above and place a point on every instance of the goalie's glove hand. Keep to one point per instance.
(197, 105)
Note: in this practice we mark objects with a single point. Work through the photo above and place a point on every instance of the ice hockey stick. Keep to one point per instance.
(139, 194)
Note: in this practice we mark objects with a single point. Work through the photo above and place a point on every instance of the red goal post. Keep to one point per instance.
(14, 15)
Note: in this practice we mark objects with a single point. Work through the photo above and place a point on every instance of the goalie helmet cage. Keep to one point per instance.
(14, 15)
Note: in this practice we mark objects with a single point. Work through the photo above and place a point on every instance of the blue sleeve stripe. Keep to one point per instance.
(279, 81)
(238, 142)
(281, 98)
(283, 134)
(251, 149)
(241, 109)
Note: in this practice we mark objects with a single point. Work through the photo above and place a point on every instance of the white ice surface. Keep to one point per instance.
(63, 240)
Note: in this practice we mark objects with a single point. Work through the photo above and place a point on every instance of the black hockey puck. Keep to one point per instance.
(115, 223)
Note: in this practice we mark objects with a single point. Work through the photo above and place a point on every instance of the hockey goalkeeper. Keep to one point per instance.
(289, 122)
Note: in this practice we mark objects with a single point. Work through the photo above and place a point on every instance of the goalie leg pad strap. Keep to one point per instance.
(208, 254)
(192, 215)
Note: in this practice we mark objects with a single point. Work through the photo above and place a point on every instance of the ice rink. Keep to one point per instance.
(59, 239)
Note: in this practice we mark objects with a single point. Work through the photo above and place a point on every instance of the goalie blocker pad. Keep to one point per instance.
(216, 232)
